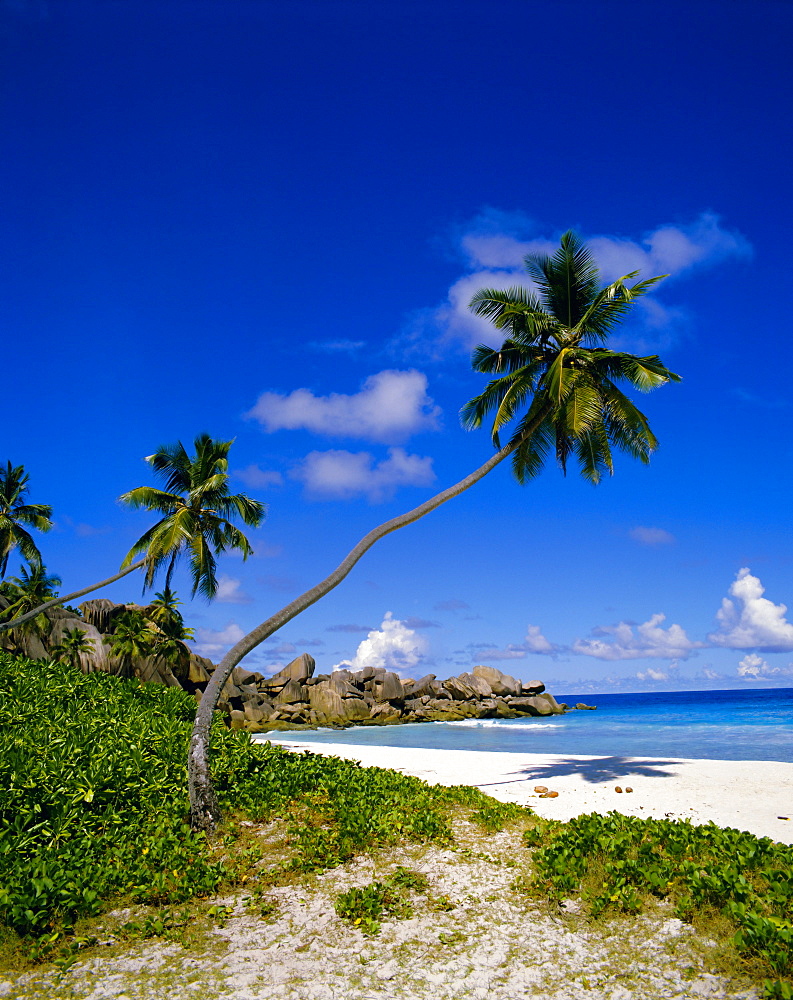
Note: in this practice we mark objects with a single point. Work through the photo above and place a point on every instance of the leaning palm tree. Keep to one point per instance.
(15, 512)
(197, 508)
(556, 385)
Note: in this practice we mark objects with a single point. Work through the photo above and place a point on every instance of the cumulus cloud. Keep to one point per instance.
(257, 478)
(390, 406)
(212, 641)
(651, 536)
(229, 592)
(649, 640)
(394, 646)
(535, 642)
(341, 475)
(754, 668)
(751, 621)
(653, 674)
(495, 244)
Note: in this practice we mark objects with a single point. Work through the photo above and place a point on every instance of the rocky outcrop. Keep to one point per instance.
(374, 696)
(296, 696)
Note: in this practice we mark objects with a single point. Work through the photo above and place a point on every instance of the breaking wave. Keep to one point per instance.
(501, 724)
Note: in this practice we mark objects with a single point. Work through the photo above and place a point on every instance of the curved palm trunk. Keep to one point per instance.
(204, 810)
(70, 597)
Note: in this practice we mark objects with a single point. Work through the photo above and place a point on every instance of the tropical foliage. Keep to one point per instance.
(26, 592)
(71, 647)
(16, 515)
(197, 508)
(103, 812)
(557, 383)
(618, 863)
(102, 815)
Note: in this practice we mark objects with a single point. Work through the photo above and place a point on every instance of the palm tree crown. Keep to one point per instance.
(14, 512)
(197, 508)
(27, 592)
(553, 360)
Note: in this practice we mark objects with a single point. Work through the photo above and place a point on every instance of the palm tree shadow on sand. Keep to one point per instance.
(595, 769)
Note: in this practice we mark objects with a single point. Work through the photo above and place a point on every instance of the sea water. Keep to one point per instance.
(721, 725)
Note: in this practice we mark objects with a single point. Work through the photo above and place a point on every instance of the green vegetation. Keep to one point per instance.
(197, 509)
(553, 360)
(196, 506)
(619, 862)
(25, 593)
(16, 512)
(93, 814)
(365, 907)
(93, 805)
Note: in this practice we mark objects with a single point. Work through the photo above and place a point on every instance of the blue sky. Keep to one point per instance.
(264, 220)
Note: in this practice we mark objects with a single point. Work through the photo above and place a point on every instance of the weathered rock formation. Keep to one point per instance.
(374, 696)
(296, 696)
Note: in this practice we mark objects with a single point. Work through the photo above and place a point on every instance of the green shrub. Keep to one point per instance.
(93, 797)
(617, 859)
(365, 907)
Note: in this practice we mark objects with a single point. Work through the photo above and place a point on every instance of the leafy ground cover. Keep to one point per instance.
(93, 811)
(93, 801)
(618, 862)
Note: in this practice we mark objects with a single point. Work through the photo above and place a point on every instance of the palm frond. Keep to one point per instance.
(532, 449)
(37, 515)
(202, 566)
(152, 499)
(251, 512)
(594, 454)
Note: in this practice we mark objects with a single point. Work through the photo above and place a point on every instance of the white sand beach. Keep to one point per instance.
(749, 795)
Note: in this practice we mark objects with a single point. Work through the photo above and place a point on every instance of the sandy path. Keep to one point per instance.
(748, 795)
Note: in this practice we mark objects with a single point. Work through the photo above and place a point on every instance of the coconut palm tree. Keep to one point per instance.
(26, 594)
(133, 638)
(15, 512)
(556, 386)
(164, 612)
(71, 647)
(197, 506)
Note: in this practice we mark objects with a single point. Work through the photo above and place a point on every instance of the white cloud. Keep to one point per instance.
(669, 249)
(393, 646)
(495, 255)
(535, 642)
(649, 641)
(212, 641)
(345, 474)
(651, 536)
(390, 406)
(229, 592)
(754, 668)
(258, 478)
(652, 674)
(751, 621)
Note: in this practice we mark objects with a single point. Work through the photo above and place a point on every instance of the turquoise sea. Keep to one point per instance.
(722, 725)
